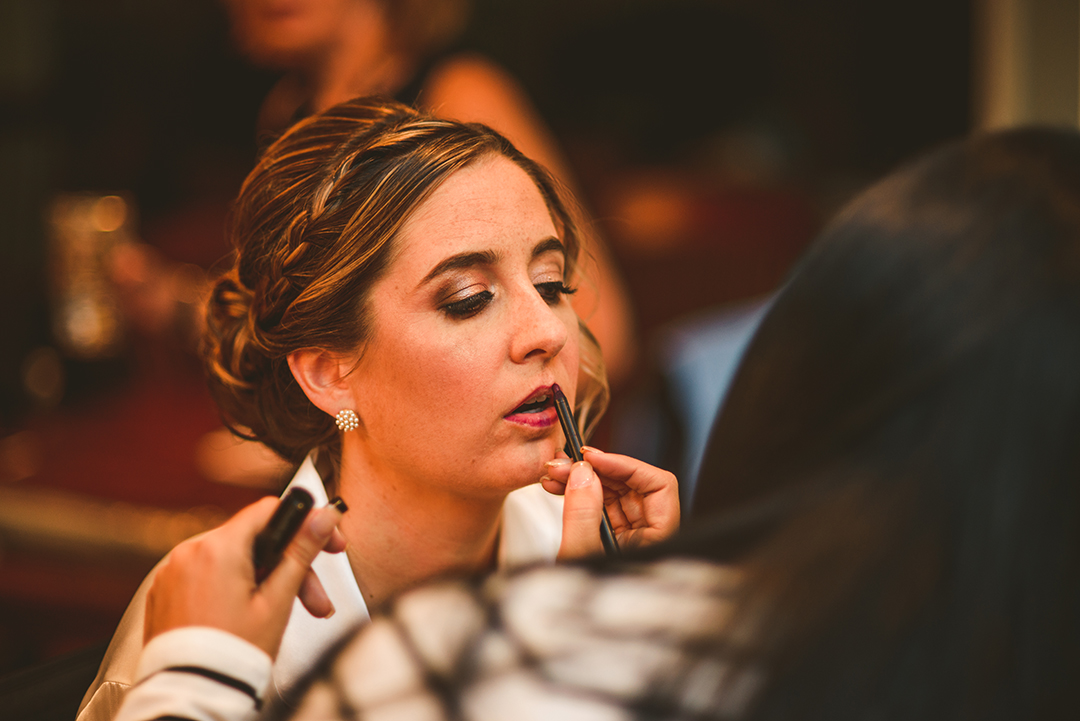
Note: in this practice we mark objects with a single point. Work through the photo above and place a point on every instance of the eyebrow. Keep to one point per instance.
(487, 257)
(461, 260)
(546, 246)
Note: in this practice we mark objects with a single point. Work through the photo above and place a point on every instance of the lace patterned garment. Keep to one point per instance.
(562, 643)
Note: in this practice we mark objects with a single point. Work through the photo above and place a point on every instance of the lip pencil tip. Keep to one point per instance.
(556, 390)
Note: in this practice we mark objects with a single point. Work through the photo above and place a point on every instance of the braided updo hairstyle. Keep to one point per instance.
(313, 228)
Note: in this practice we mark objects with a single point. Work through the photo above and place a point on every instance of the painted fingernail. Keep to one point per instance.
(558, 462)
(580, 475)
(339, 504)
(590, 449)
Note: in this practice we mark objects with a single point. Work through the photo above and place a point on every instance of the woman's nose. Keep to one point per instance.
(538, 330)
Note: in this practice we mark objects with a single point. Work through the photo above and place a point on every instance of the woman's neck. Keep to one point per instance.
(401, 532)
(362, 60)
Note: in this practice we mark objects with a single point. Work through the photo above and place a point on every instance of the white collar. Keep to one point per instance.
(531, 532)
(307, 637)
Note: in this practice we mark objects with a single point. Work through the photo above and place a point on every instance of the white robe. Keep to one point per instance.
(531, 531)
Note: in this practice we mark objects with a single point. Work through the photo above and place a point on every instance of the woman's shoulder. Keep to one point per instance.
(471, 87)
(119, 667)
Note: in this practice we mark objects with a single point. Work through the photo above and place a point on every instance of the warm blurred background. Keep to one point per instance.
(710, 139)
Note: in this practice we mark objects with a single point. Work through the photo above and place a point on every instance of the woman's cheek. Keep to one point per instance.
(456, 378)
(570, 356)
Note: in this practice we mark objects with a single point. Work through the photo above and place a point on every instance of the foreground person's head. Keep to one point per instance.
(413, 270)
(900, 450)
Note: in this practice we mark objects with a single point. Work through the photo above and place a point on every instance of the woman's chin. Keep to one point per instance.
(529, 469)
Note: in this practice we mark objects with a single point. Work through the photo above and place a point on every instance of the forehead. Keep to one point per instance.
(491, 204)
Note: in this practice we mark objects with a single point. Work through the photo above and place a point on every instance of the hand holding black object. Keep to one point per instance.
(209, 580)
(573, 449)
(642, 500)
(279, 531)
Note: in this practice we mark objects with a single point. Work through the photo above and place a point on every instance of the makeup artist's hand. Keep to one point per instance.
(642, 501)
(209, 580)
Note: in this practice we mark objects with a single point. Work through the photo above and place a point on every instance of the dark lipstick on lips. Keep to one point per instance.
(573, 449)
(535, 410)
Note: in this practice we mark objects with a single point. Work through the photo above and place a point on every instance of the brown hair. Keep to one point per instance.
(313, 229)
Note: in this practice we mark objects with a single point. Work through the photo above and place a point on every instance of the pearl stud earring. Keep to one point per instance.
(347, 420)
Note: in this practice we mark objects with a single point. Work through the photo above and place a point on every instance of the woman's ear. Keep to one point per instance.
(322, 377)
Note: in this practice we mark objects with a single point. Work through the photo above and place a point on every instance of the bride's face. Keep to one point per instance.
(471, 326)
(284, 33)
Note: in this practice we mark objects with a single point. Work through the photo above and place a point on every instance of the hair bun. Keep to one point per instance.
(228, 338)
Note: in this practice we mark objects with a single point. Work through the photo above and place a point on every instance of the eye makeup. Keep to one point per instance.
(553, 291)
(468, 306)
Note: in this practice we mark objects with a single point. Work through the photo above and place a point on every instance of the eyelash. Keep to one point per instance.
(468, 307)
(551, 292)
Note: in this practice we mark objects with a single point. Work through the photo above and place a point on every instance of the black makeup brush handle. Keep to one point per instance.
(573, 449)
(611, 546)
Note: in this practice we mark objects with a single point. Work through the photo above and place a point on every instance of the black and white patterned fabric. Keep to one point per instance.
(562, 643)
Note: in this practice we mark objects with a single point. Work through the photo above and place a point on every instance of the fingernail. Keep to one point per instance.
(590, 449)
(322, 525)
(332, 612)
(339, 504)
(580, 475)
(558, 462)
(544, 478)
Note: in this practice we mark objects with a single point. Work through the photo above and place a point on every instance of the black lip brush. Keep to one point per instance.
(573, 449)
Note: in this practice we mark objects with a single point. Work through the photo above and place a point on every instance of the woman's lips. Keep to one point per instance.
(536, 411)
(541, 419)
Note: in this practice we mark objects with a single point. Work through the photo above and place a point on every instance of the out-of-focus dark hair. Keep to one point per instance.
(897, 466)
(313, 228)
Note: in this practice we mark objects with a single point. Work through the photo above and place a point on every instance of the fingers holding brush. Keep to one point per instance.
(583, 510)
(642, 500)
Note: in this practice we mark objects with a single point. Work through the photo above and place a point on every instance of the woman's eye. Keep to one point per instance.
(468, 307)
(552, 292)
